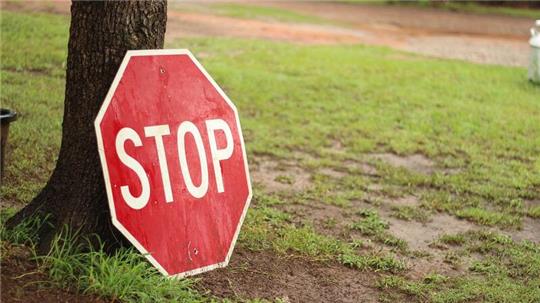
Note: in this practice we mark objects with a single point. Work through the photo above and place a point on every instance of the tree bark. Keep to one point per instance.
(100, 34)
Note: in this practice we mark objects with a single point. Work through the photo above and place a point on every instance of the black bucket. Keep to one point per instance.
(6, 117)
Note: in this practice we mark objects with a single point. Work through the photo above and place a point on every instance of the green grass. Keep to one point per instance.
(510, 272)
(33, 55)
(486, 217)
(295, 103)
(456, 239)
(534, 212)
(268, 229)
(71, 263)
(25, 233)
(246, 11)
(307, 242)
(333, 191)
(409, 213)
(24, 49)
(373, 226)
(123, 276)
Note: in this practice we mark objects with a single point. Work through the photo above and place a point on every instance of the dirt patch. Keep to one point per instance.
(276, 176)
(420, 235)
(336, 174)
(10, 203)
(420, 267)
(374, 187)
(318, 211)
(266, 275)
(532, 203)
(327, 219)
(529, 231)
(22, 282)
(365, 168)
(417, 162)
(409, 200)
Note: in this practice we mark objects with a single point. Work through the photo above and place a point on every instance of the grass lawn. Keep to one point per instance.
(328, 112)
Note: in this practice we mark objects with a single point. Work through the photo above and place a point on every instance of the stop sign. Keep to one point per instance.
(174, 162)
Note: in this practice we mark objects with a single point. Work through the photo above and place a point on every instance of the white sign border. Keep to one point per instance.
(97, 122)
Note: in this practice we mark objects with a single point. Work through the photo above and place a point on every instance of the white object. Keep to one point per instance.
(534, 63)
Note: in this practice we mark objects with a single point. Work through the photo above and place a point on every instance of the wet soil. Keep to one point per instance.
(22, 281)
(291, 279)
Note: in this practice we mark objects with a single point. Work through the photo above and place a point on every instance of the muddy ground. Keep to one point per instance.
(292, 279)
(23, 282)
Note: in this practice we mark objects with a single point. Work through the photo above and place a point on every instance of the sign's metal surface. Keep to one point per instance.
(174, 162)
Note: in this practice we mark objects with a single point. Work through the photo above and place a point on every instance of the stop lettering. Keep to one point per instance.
(185, 128)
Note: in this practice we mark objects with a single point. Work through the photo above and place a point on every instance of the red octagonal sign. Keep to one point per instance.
(174, 162)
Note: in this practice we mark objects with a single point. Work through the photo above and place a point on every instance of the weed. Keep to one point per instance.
(24, 233)
(372, 225)
(268, 230)
(284, 179)
(124, 275)
(409, 213)
(457, 239)
(509, 272)
(485, 217)
(307, 242)
(534, 212)
(265, 13)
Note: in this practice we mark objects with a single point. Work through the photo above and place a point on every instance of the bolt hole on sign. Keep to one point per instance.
(174, 162)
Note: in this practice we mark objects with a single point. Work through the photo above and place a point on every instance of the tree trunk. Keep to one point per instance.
(100, 34)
